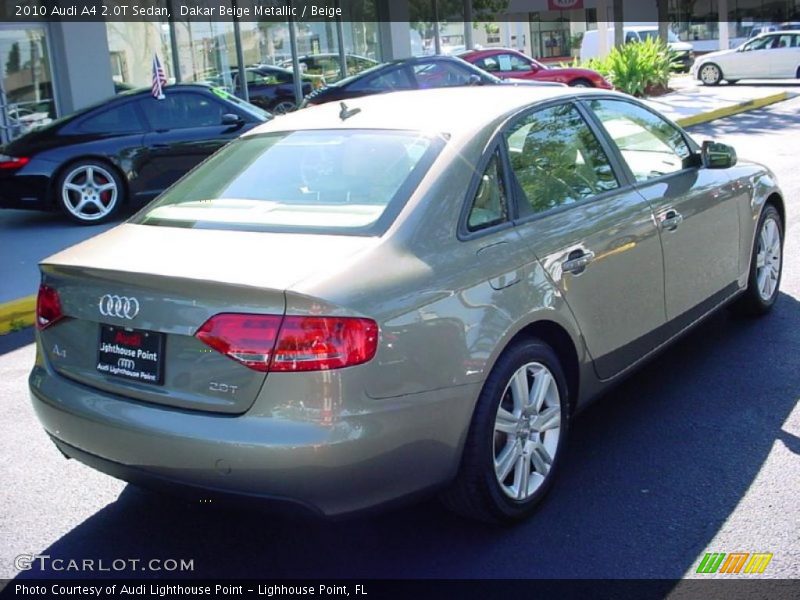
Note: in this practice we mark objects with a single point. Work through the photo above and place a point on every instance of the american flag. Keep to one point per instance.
(159, 79)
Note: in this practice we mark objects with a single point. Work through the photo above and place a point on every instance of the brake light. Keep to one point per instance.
(12, 162)
(294, 343)
(322, 343)
(48, 307)
(248, 339)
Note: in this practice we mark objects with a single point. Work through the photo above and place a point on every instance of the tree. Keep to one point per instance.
(13, 63)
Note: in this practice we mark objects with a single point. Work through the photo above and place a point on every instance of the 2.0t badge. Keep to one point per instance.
(123, 307)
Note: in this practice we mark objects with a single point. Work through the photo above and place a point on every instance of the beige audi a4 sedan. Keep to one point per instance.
(411, 292)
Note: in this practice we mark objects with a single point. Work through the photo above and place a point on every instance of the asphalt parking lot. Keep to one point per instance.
(698, 452)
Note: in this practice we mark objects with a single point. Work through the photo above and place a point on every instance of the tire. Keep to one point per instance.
(90, 192)
(282, 107)
(709, 74)
(764, 280)
(584, 83)
(505, 449)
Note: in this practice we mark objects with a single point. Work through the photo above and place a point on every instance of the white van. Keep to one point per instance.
(638, 33)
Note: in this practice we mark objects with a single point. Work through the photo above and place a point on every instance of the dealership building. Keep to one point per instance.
(50, 68)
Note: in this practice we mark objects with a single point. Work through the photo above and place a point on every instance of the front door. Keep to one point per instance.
(695, 208)
(594, 234)
(186, 127)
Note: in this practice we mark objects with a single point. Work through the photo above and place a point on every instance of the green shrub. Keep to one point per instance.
(636, 68)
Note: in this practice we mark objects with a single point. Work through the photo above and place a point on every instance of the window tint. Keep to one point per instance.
(651, 146)
(441, 74)
(181, 110)
(556, 158)
(394, 79)
(120, 119)
(512, 62)
(786, 41)
(317, 181)
(490, 206)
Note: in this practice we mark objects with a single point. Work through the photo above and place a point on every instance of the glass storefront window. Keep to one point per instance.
(131, 48)
(26, 83)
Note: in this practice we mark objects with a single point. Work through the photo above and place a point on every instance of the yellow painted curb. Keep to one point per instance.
(17, 314)
(728, 111)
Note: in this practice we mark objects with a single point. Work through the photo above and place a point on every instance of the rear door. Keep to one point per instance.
(785, 56)
(695, 208)
(593, 233)
(185, 128)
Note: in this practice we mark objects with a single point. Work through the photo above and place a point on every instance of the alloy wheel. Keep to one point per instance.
(526, 431)
(768, 258)
(89, 193)
(283, 107)
(710, 74)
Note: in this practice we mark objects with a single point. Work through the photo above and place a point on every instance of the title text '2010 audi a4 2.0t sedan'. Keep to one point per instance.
(359, 302)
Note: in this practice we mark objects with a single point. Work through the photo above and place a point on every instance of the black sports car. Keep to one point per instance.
(126, 149)
(410, 74)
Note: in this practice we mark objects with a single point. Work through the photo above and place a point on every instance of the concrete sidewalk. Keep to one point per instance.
(30, 237)
(693, 103)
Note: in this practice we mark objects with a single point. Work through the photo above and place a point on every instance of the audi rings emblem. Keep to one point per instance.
(123, 307)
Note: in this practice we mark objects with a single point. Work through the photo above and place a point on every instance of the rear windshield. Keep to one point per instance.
(328, 181)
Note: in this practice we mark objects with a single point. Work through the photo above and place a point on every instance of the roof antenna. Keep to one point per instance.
(346, 113)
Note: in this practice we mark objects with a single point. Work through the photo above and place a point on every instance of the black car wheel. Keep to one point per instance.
(282, 107)
(584, 83)
(514, 443)
(89, 192)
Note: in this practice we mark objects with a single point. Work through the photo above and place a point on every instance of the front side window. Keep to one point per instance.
(490, 205)
(556, 158)
(439, 74)
(182, 110)
(650, 146)
(393, 79)
(760, 43)
(512, 62)
(328, 181)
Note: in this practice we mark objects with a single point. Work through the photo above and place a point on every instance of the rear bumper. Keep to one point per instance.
(403, 447)
(25, 191)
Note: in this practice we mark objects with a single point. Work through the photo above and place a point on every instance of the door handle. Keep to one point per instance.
(670, 220)
(577, 261)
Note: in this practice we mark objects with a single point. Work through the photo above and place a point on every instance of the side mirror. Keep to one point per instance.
(474, 80)
(232, 119)
(717, 156)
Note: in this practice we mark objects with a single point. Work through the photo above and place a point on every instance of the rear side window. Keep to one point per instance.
(490, 205)
(327, 181)
(120, 119)
(556, 158)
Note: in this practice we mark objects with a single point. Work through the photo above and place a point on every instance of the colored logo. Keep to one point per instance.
(734, 563)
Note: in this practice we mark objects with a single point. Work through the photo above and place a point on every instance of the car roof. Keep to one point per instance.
(436, 110)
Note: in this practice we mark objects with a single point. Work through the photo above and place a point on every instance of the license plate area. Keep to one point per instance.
(131, 354)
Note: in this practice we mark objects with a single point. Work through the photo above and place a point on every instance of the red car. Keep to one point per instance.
(503, 62)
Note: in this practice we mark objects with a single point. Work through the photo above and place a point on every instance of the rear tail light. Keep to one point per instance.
(293, 343)
(48, 307)
(13, 162)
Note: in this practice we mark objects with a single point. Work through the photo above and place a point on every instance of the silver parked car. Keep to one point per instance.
(415, 291)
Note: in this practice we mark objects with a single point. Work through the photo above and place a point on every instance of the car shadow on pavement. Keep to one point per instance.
(652, 472)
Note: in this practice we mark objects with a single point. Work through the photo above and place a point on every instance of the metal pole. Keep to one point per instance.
(468, 25)
(237, 38)
(173, 42)
(298, 82)
(437, 42)
(340, 38)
